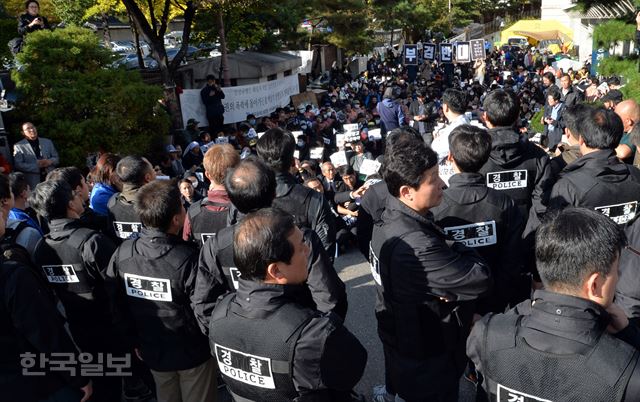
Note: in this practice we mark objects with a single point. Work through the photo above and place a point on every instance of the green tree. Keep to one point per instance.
(81, 104)
(71, 11)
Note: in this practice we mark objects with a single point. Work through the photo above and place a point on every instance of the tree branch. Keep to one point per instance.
(189, 14)
(165, 18)
(152, 13)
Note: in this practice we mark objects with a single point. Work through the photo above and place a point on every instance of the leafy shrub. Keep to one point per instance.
(75, 98)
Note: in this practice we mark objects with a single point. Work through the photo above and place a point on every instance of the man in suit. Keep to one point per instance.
(34, 156)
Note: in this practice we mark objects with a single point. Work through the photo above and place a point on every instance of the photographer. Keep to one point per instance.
(212, 96)
(31, 20)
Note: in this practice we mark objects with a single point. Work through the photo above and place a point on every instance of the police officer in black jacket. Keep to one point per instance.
(426, 284)
(252, 186)
(134, 172)
(31, 325)
(74, 260)
(628, 289)
(598, 180)
(481, 217)
(310, 209)
(570, 342)
(151, 280)
(516, 167)
(268, 344)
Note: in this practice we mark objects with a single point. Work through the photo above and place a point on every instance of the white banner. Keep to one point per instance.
(259, 99)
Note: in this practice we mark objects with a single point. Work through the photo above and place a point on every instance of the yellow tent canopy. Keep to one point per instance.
(538, 30)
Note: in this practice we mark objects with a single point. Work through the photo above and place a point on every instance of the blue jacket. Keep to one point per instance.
(100, 197)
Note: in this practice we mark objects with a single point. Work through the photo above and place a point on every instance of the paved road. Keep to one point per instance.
(354, 271)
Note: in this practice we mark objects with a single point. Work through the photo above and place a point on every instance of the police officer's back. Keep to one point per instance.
(134, 172)
(309, 208)
(268, 345)
(598, 179)
(206, 217)
(481, 217)
(74, 260)
(426, 284)
(252, 186)
(31, 328)
(151, 279)
(569, 342)
(516, 167)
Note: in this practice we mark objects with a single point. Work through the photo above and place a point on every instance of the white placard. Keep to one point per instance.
(261, 134)
(369, 167)
(339, 159)
(316, 153)
(340, 141)
(296, 154)
(296, 134)
(257, 99)
(375, 134)
(350, 127)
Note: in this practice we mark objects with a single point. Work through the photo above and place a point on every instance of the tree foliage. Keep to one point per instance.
(612, 31)
(80, 103)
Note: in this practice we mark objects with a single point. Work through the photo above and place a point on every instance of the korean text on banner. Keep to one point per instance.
(257, 99)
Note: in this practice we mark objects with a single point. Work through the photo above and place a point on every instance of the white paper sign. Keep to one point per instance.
(257, 99)
(340, 141)
(316, 153)
(369, 167)
(463, 52)
(296, 133)
(375, 134)
(339, 159)
(350, 127)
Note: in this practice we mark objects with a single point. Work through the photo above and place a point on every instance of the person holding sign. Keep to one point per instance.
(269, 345)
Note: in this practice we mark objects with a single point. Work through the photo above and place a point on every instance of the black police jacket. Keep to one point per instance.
(124, 221)
(309, 208)
(628, 287)
(30, 323)
(371, 207)
(74, 260)
(488, 221)
(217, 275)
(519, 169)
(426, 286)
(150, 280)
(556, 347)
(598, 180)
(325, 360)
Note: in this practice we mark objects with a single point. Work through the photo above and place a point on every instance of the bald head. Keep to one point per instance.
(251, 185)
(629, 112)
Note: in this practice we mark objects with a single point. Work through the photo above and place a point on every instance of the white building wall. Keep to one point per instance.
(556, 10)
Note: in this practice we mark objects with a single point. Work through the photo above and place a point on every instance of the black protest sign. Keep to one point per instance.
(446, 53)
(477, 49)
(410, 55)
(429, 51)
(462, 52)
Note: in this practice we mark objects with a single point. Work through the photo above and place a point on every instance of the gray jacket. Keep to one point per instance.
(25, 160)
